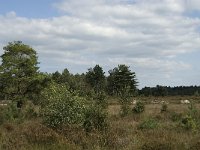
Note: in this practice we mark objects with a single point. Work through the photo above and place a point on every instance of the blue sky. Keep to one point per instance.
(158, 39)
(29, 8)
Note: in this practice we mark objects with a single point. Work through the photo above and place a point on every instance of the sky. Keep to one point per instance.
(158, 39)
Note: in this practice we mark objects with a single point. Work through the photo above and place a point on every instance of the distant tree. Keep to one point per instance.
(121, 80)
(146, 91)
(56, 76)
(196, 93)
(80, 85)
(170, 91)
(18, 70)
(66, 76)
(95, 78)
(161, 91)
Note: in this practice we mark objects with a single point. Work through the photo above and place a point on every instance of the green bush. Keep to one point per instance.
(9, 113)
(189, 123)
(139, 107)
(95, 118)
(100, 100)
(192, 110)
(62, 107)
(125, 110)
(164, 107)
(149, 123)
(29, 110)
(175, 116)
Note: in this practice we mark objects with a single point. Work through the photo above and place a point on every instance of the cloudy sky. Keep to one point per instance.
(158, 39)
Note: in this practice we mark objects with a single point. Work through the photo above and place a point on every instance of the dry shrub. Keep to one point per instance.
(37, 133)
(195, 145)
(159, 139)
(32, 135)
(8, 126)
(148, 123)
(13, 141)
(157, 145)
(92, 140)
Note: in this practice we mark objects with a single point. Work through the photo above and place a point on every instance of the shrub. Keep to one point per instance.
(62, 107)
(9, 113)
(175, 116)
(156, 145)
(192, 110)
(139, 107)
(95, 118)
(188, 123)
(125, 110)
(29, 110)
(164, 107)
(100, 100)
(148, 124)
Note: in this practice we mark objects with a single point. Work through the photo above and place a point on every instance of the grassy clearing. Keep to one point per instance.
(150, 130)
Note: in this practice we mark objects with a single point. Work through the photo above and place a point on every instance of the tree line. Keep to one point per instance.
(170, 91)
(21, 79)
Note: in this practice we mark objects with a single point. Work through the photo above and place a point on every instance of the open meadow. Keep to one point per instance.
(175, 128)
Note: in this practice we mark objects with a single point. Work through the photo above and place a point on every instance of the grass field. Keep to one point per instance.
(177, 128)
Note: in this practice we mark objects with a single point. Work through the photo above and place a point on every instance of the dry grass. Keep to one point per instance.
(169, 134)
(124, 133)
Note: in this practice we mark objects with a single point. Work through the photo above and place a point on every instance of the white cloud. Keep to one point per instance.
(148, 34)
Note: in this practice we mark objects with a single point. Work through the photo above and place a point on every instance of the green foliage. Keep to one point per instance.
(9, 113)
(95, 118)
(125, 110)
(149, 123)
(17, 71)
(189, 123)
(139, 107)
(121, 80)
(192, 110)
(38, 83)
(100, 100)
(160, 91)
(125, 104)
(96, 79)
(196, 93)
(175, 116)
(30, 110)
(164, 107)
(61, 107)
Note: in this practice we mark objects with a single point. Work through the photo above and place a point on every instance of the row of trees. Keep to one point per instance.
(120, 79)
(20, 78)
(170, 91)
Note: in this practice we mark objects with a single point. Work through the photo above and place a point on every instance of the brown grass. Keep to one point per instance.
(123, 132)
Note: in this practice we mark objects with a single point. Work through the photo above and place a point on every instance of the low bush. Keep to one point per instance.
(189, 123)
(125, 110)
(139, 107)
(62, 107)
(164, 107)
(101, 100)
(156, 145)
(175, 116)
(149, 123)
(9, 113)
(95, 118)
